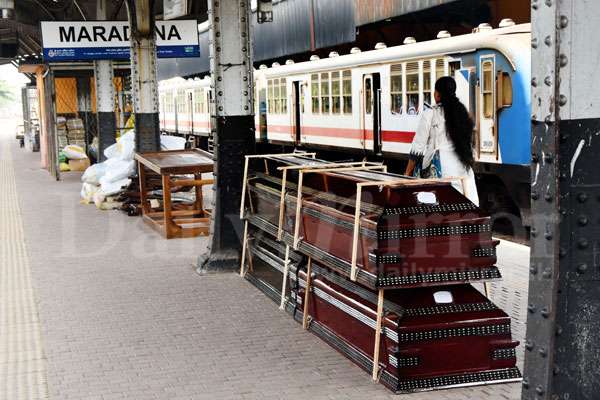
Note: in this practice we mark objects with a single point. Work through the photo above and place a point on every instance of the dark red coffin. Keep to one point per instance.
(426, 344)
(413, 235)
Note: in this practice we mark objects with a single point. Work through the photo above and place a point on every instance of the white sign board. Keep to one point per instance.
(174, 9)
(109, 40)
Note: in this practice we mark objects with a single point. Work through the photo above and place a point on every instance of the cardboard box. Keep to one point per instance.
(79, 165)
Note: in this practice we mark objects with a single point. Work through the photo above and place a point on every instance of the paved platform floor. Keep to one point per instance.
(123, 315)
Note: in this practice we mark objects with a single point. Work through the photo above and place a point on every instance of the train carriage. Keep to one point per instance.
(370, 103)
(184, 106)
(372, 100)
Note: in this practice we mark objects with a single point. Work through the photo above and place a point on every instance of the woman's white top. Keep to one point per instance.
(431, 136)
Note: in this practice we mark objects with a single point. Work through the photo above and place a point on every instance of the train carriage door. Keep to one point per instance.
(371, 100)
(206, 108)
(486, 108)
(175, 112)
(190, 109)
(377, 114)
(296, 111)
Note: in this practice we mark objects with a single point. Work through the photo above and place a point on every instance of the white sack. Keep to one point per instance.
(74, 152)
(118, 170)
(110, 188)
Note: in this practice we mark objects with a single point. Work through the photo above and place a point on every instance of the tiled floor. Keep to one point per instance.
(123, 315)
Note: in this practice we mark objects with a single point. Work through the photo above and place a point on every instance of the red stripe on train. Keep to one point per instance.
(347, 133)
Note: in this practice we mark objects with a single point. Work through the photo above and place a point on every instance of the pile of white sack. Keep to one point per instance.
(109, 178)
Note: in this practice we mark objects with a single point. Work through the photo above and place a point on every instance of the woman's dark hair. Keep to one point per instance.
(459, 124)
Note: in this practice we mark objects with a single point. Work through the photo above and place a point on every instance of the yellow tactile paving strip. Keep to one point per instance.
(22, 359)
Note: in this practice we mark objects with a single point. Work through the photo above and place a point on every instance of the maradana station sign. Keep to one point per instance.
(109, 40)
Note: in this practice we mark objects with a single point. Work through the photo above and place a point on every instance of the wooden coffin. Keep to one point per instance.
(411, 235)
(425, 344)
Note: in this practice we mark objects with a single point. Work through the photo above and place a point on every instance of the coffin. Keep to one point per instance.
(432, 338)
(410, 235)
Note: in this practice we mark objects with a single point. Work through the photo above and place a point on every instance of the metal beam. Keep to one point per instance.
(231, 70)
(563, 328)
(105, 95)
(143, 74)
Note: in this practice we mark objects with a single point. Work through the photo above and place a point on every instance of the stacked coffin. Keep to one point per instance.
(388, 261)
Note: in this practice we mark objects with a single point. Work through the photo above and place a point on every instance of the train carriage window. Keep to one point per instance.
(270, 98)
(488, 89)
(169, 102)
(256, 97)
(180, 101)
(314, 93)
(427, 82)
(347, 91)
(336, 94)
(325, 99)
(412, 88)
(396, 89)
(439, 68)
(198, 100)
(302, 96)
(283, 95)
(505, 92)
(453, 67)
(276, 97)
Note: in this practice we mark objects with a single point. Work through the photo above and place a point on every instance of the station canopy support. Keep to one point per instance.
(105, 95)
(84, 106)
(143, 75)
(231, 70)
(563, 329)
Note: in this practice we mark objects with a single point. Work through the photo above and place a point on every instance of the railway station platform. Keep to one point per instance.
(96, 305)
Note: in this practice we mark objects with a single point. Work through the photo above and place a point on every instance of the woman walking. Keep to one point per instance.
(443, 144)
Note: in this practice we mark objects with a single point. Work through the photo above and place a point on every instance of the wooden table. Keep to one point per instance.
(187, 221)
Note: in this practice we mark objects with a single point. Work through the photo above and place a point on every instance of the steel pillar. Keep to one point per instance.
(563, 325)
(143, 74)
(84, 107)
(105, 95)
(231, 70)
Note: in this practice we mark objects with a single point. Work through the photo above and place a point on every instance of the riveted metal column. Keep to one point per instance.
(144, 85)
(563, 324)
(231, 70)
(105, 105)
(84, 107)
(105, 95)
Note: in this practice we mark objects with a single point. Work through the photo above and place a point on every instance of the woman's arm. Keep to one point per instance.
(419, 143)
(410, 167)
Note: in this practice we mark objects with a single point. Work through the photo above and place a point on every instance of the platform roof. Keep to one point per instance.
(20, 36)
(334, 22)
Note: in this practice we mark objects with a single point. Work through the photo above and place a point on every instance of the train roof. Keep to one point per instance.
(177, 82)
(510, 41)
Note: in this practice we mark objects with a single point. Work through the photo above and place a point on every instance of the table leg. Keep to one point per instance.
(143, 188)
(199, 206)
(167, 207)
